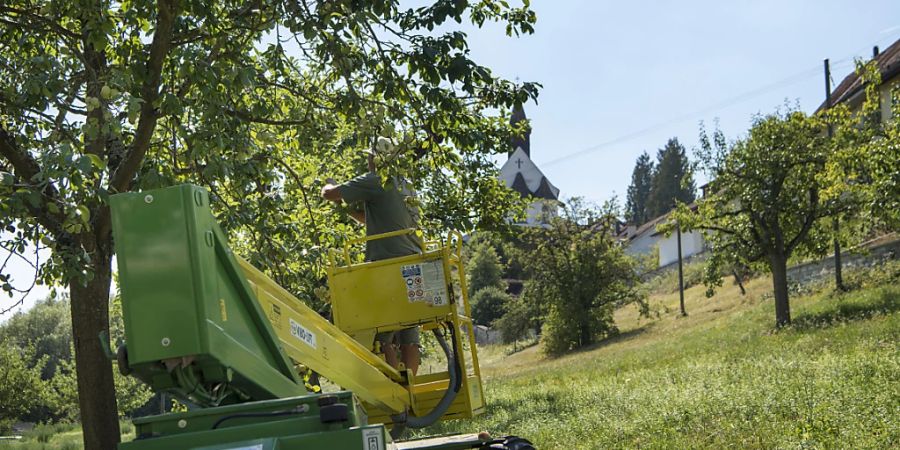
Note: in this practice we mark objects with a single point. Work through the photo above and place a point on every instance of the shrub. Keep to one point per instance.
(488, 305)
(483, 269)
(515, 323)
(581, 275)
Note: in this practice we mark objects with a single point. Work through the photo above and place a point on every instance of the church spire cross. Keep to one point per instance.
(519, 163)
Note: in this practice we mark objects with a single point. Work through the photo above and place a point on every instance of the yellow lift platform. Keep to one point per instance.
(424, 290)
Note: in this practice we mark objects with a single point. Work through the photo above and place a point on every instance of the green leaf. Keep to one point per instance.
(83, 213)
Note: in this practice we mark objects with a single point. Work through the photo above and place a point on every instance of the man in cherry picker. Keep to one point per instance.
(382, 208)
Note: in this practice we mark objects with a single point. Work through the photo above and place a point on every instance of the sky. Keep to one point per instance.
(620, 78)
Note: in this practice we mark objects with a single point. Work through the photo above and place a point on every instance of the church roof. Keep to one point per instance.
(544, 190)
(519, 172)
(520, 186)
(524, 141)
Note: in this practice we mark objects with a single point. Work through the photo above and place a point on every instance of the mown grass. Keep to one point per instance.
(719, 378)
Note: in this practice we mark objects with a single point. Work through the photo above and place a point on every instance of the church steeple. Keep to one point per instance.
(524, 141)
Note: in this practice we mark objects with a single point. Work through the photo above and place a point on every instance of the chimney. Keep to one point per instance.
(875, 51)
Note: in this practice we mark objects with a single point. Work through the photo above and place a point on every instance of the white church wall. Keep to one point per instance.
(540, 212)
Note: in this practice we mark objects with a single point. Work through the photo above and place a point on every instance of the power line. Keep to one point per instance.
(793, 79)
(788, 81)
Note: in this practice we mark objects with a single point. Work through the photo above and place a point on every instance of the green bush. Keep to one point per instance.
(579, 275)
(515, 323)
(483, 270)
(20, 384)
(44, 432)
(488, 305)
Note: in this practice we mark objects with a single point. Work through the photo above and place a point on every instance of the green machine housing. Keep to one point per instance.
(177, 276)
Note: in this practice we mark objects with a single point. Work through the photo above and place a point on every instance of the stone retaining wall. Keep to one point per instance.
(866, 256)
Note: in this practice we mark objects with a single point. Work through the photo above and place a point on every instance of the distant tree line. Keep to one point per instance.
(38, 369)
(656, 188)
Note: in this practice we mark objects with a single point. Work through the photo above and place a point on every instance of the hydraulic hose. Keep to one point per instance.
(402, 421)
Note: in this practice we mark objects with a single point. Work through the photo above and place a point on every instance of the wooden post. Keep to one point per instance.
(680, 271)
(835, 221)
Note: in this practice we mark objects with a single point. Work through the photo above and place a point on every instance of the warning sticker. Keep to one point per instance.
(425, 283)
(372, 439)
(300, 332)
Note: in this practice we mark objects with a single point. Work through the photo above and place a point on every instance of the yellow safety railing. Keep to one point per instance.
(377, 296)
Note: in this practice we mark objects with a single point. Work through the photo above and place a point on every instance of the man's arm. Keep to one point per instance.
(331, 191)
(358, 215)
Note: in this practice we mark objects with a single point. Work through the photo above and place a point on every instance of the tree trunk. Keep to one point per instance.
(838, 276)
(96, 391)
(680, 273)
(778, 263)
(587, 335)
(738, 279)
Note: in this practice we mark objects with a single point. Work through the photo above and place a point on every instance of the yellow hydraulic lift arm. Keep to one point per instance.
(308, 338)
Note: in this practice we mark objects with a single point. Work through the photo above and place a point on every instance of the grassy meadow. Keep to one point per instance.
(60, 436)
(719, 378)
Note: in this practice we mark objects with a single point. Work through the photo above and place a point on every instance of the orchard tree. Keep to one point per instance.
(483, 269)
(21, 385)
(488, 305)
(46, 328)
(882, 193)
(765, 200)
(864, 173)
(581, 274)
(252, 100)
(515, 322)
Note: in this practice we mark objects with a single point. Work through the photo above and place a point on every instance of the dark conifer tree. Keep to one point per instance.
(639, 191)
(672, 180)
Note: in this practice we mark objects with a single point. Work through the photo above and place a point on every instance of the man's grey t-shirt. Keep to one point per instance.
(386, 211)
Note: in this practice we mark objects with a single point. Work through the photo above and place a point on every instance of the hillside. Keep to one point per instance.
(720, 377)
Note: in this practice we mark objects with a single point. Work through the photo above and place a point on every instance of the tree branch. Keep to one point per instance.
(167, 11)
(27, 169)
(808, 221)
(249, 118)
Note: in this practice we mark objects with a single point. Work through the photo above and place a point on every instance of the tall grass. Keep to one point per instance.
(666, 282)
(719, 378)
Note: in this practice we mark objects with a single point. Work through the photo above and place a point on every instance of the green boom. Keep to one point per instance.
(192, 324)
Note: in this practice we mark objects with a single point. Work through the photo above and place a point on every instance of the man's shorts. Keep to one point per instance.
(406, 336)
